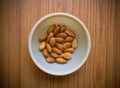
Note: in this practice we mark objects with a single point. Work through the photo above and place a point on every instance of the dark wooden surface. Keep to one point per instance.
(102, 69)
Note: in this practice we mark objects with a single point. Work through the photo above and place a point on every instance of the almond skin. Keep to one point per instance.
(67, 55)
(63, 28)
(67, 45)
(71, 50)
(42, 45)
(70, 32)
(59, 46)
(49, 37)
(68, 39)
(51, 28)
(54, 55)
(57, 29)
(45, 52)
(50, 60)
(48, 47)
(63, 35)
(75, 43)
(52, 42)
(56, 50)
(59, 39)
(43, 38)
(61, 60)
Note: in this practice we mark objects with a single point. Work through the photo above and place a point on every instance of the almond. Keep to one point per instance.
(43, 38)
(59, 39)
(42, 45)
(45, 52)
(56, 31)
(49, 37)
(61, 60)
(52, 42)
(63, 35)
(54, 55)
(67, 45)
(63, 28)
(71, 50)
(75, 43)
(68, 39)
(50, 59)
(51, 28)
(56, 50)
(48, 47)
(67, 55)
(59, 46)
(70, 32)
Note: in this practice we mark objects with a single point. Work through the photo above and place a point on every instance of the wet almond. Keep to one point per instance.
(42, 45)
(68, 39)
(67, 45)
(50, 60)
(61, 60)
(51, 28)
(52, 41)
(70, 32)
(48, 47)
(56, 50)
(75, 43)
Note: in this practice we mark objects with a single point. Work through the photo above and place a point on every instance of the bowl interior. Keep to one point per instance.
(78, 55)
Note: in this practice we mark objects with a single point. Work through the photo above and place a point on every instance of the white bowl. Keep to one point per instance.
(79, 56)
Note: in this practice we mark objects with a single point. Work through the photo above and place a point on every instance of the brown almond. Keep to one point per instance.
(52, 42)
(67, 45)
(68, 39)
(61, 60)
(59, 39)
(59, 46)
(70, 32)
(63, 35)
(45, 52)
(75, 43)
(42, 45)
(54, 55)
(51, 28)
(50, 59)
(49, 37)
(63, 28)
(57, 29)
(43, 38)
(48, 47)
(56, 50)
(67, 55)
(71, 50)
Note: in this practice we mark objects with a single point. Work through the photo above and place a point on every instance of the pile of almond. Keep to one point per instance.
(58, 44)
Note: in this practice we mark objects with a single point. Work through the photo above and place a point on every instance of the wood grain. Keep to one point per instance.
(101, 70)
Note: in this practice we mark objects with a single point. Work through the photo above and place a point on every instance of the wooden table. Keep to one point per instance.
(102, 69)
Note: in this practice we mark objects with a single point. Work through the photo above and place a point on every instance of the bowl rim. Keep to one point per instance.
(34, 28)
